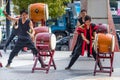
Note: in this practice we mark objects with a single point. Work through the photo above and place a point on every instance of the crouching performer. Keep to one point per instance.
(87, 32)
(24, 38)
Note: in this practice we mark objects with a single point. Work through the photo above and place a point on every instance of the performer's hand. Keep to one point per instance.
(82, 25)
(16, 27)
(88, 42)
(31, 35)
(93, 38)
(4, 12)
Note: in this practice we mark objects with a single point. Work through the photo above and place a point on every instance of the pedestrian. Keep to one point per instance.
(86, 33)
(12, 35)
(80, 21)
(24, 39)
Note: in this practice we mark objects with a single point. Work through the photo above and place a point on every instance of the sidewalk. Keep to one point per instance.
(81, 70)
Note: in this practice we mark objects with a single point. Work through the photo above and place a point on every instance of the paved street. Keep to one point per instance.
(81, 70)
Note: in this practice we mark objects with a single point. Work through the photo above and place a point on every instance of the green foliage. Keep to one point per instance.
(56, 7)
(1, 11)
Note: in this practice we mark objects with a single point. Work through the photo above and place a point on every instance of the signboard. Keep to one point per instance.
(98, 12)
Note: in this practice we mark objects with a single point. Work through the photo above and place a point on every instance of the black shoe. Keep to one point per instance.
(4, 49)
(67, 68)
(7, 66)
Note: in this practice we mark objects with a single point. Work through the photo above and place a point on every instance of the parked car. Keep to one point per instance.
(63, 43)
(113, 11)
(118, 36)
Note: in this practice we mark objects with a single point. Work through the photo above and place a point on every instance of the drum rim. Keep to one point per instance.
(113, 43)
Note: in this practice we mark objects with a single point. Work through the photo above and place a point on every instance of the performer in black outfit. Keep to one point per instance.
(86, 33)
(80, 21)
(13, 34)
(24, 39)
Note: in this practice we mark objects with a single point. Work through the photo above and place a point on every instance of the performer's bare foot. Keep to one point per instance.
(7, 66)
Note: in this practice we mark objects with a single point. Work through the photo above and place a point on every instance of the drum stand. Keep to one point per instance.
(99, 56)
(44, 52)
(0, 62)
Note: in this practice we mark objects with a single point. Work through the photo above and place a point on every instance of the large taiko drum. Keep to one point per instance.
(48, 39)
(38, 12)
(102, 28)
(104, 43)
(0, 35)
(42, 29)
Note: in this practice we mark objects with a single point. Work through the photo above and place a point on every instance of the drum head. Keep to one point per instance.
(46, 12)
(95, 42)
(104, 42)
(53, 41)
(113, 44)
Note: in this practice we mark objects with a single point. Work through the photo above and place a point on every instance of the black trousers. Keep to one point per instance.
(78, 42)
(77, 45)
(19, 45)
(12, 35)
(77, 51)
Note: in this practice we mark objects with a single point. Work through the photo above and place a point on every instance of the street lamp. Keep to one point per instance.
(7, 21)
(1, 3)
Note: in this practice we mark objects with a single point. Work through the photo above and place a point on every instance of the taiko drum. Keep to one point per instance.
(44, 39)
(102, 28)
(38, 12)
(105, 42)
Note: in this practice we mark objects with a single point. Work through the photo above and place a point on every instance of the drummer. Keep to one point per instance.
(24, 39)
(85, 32)
(13, 34)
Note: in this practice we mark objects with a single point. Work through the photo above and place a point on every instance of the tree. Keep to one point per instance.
(56, 7)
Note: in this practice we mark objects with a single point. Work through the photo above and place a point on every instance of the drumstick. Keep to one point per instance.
(5, 6)
(32, 37)
(29, 33)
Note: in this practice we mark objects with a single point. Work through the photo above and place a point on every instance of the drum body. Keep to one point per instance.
(42, 29)
(48, 39)
(102, 28)
(104, 43)
(38, 12)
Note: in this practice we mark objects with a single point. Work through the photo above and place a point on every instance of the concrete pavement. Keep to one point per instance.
(81, 70)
